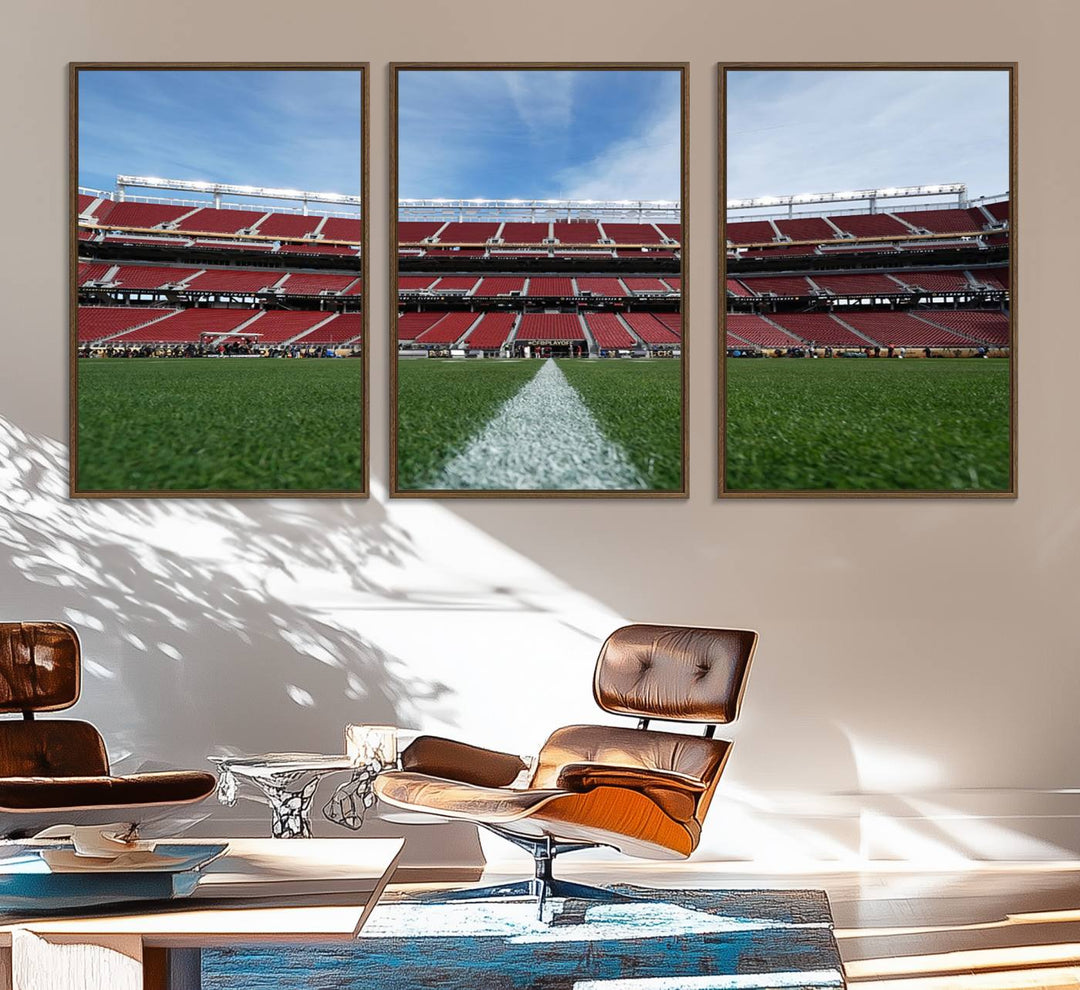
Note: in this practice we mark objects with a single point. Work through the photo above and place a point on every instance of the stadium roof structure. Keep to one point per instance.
(796, 205)
(640, 210)
(219, 189)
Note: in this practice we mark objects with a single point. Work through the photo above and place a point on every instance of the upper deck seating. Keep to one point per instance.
(633, 233)
(525, 233)
(577, 232)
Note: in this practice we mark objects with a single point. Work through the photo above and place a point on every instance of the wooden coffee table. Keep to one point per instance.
(261, 890)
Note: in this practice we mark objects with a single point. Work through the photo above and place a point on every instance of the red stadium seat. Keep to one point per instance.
(449, 329)
(609, 332)
(553, 327)
(650, 329)
(560, 287)
(491, 332)
(99, 322)
(749, 328)
(577, 232)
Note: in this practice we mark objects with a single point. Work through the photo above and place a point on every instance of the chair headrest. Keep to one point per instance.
(39, 666)
(677, 673)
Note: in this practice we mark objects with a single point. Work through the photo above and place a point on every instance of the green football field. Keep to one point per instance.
(234, 424)
(867, 425)
(444, 404)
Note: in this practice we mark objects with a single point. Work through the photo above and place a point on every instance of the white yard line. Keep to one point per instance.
(543, 438)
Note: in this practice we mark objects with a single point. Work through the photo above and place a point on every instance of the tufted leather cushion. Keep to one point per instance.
(438, 757)
(39, 666)
(51, 748)
(679, 673)
(620, 746)
(78, 793)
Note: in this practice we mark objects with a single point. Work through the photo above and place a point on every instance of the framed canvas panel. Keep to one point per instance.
(538, 216)
(868, 280)
(217, 279)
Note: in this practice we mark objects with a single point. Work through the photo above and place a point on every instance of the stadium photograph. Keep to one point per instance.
(218, 281)
(538, 327)
(867, 338)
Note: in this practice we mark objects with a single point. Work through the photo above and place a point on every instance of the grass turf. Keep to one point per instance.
(443, 404)
(638, 404)
(867, 425)
(164, 424)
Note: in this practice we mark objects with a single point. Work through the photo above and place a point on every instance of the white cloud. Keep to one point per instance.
(644, 165)
(792, 132)
(543, 100)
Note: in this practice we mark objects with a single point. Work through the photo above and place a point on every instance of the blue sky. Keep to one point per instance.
(538, 134)
(793, 132)
(294, 129)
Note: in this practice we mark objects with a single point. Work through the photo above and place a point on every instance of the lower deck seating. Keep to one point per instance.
(673, 321)
(411, 325)
(989, 326)
(550, 327)
(491, 332)
(341, 329)
(650, 329)
(749, 328)
(190, 326)
(903, 330)
(277, 326)
(97, 322)
(820, 329)
(609, 332)
(448, 329)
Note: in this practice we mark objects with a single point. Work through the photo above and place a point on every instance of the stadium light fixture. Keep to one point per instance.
(433, 208)
(958, 189)
(225, 189)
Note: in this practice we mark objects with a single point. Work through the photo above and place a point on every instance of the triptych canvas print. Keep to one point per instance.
(538, 334)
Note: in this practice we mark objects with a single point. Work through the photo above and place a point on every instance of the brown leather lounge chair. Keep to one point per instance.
(643, 792)
(56, 771)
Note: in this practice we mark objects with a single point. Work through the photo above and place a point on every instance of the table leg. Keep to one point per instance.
(290, 809)
(351, 800)
(172, 969)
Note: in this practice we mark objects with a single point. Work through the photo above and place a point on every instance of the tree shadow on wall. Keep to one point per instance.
(190, 645)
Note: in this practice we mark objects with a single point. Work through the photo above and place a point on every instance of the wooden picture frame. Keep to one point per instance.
(77, 486)
(397, 490)
(724, 489)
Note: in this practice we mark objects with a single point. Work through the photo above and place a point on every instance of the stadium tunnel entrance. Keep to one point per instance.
(551, 348)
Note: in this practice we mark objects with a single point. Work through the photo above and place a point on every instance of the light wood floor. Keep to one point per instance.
(1007, 926)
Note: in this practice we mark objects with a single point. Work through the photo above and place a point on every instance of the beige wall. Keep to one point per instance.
(919, 659)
